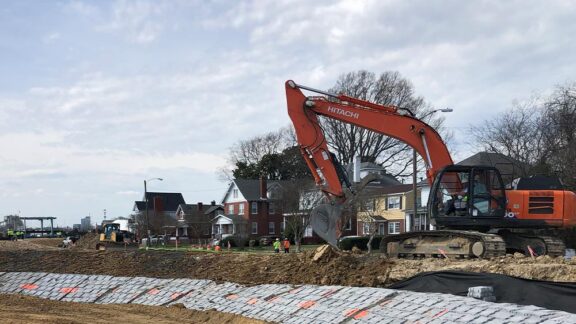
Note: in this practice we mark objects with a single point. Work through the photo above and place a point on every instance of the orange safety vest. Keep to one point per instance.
(286, 244)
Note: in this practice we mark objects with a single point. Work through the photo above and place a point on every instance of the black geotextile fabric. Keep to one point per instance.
(547, 294)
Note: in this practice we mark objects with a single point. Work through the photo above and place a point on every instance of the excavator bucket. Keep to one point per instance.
(325, 222)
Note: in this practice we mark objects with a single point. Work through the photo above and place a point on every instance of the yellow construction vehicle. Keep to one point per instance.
(114, 238)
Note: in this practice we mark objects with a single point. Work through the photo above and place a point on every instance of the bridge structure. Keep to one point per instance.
(41, 219)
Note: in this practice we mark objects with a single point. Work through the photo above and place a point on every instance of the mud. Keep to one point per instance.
(25, 309)
(88, 241)
(244, 268)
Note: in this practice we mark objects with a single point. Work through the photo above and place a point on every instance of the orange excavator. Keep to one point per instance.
(474, 214)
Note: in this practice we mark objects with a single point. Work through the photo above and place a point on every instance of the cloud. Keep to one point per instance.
(51, 38)
(82, 8)
(139, 21)
(128, 193)
(49, 154)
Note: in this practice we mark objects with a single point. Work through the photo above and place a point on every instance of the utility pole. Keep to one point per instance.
(146, 211)
(147, 219)
(410, 226)
(414, 188)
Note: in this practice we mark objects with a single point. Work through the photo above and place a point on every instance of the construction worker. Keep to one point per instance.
(286, 245)
(276, 246)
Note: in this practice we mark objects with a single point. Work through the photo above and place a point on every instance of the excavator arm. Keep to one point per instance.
(328, 174)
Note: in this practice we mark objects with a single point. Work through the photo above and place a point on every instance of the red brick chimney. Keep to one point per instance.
(263, 188)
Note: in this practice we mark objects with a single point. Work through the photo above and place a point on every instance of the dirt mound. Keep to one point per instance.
(324, 252)
(51, 242)
(339, 269)
(25, 309)
(26, 244)
(87, 241)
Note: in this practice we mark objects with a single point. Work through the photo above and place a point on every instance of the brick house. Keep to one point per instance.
(253, 203)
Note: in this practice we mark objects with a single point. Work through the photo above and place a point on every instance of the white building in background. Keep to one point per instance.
(85, 224)
(124, 224)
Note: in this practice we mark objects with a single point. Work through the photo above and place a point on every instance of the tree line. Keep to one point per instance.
(539, 132)
(276, 156)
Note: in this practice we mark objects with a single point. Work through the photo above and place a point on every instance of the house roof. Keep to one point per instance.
(189, 208)
(373, 218)
(139, 205)
(385, 179)
(378, 218)
(171, 200)
(213, 208)
(250, 188)
(508, 167)
(235, 218)
(395, 189)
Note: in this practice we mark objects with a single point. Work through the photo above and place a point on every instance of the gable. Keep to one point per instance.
(274, 191)
(233, 194)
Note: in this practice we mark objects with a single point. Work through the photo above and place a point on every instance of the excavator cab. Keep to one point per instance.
(467, 197)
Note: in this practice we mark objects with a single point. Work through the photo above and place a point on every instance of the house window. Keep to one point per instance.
(283, 226)
(381, 229)
(271, 228)
(271, 208)
(241, 210)
(308, 232)
(230, 209)
(235, 193)
(254, 208)
(348, 225)
(366, 228)
(254, 227)
(394, 228)
(368, 205)
(394, 202)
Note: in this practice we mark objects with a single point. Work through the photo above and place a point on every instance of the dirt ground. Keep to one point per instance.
(333, 269)
(31, 244)
(25, 309)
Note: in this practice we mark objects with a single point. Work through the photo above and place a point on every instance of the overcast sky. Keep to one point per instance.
(96, 96)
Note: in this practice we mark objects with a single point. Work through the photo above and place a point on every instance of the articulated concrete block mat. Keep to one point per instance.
(278, 303)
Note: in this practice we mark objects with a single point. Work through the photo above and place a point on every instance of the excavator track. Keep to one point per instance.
(444, 243)
(528, 243)
(554, 247)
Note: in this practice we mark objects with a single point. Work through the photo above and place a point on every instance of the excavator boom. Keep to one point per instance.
(328, 174)
(389, 120)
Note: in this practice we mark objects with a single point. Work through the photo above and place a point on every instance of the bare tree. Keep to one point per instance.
(517, 133)
(560, 133)
(251, 151)
(159, 221)
(368, 214)
(539, 133)
(348, 141)
(242, 233)
(297, 199)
